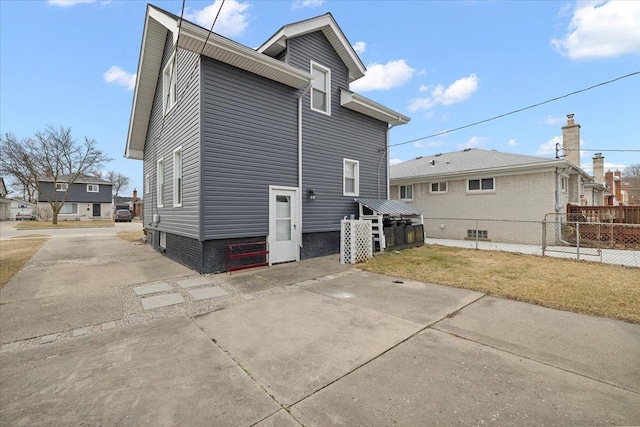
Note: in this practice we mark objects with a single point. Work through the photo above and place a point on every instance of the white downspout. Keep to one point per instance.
(388, 164)
(300, 164)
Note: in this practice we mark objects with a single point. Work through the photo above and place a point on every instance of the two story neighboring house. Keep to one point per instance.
(488, 184)
(244, 144)
(87, 198)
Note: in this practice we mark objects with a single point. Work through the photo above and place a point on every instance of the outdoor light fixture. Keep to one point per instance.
(311, 194)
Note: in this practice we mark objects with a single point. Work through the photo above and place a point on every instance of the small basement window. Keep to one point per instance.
(481, 234)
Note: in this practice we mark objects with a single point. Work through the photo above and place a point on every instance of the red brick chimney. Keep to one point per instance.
(135, 195)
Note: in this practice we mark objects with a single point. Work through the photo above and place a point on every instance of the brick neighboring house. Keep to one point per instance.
(488, 184)
(88, 198)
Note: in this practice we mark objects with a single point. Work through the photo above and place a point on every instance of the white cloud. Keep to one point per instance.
(473, 142)
(428, 144)
(395, 161)
(360, 47)
(554, 121)
(601, 30)
(512, 142)
(458, 91)
(118, 76)
(384, 76)
(68, 3)
(233, 19)
(549, 147)
(300, 4)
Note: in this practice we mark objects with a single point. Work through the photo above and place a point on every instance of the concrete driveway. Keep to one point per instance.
(140, 340)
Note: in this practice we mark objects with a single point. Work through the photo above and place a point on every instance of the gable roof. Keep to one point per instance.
(197, 39)
(192, 38)
(329, 27)
(472, 161)
(80, 180)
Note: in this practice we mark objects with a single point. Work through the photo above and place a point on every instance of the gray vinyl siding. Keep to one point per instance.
(77, 193)
(181, 127)
(327, 140)
(249, 131)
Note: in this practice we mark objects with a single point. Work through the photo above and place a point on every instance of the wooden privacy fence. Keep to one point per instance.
(604, 214)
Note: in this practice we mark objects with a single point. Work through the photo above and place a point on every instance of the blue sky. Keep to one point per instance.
(445, 64)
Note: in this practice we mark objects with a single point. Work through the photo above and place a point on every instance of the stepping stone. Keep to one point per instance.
(190, 283)
(205, 293)
(158, 301)
(152, 289)
(48, 339)
(108, 325)
(80, 331)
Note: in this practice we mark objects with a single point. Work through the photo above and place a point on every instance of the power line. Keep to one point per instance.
(202, 50)
(516, 111)
(606, 150)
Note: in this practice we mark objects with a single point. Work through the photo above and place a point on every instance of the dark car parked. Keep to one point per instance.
(123, 215)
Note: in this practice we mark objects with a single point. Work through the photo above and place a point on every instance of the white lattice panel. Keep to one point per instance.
(355, 241)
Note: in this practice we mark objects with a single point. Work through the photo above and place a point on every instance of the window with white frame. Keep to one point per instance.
(163, 240)
(480, 185)
(406, 192)
(160, 183)
(351, 177)
(61, 186)
(438, 187)
(564, 183)
(321, 91)
(69, 209)
(93, 188)
(177, 177)
(169, 85)
(147, 184)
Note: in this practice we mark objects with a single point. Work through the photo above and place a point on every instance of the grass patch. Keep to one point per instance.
(584, 287)
(132, 235)
(36, 225)
(16, 252)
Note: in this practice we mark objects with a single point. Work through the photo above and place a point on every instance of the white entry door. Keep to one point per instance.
(283, 224)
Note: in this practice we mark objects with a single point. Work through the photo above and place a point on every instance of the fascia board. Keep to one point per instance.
(470, 174)
(199, 35)
(355, 102)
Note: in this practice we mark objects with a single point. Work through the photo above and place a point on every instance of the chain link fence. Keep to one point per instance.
(556, 236)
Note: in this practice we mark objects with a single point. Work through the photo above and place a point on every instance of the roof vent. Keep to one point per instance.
(467, 149)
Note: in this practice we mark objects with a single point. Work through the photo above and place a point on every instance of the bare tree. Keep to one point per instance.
(631, 182)
(50, 163)
(120, 182)
(12, 164)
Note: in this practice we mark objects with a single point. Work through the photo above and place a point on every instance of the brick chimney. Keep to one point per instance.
(598, 168)
(571, 141)
(617, 178)
(135, 194)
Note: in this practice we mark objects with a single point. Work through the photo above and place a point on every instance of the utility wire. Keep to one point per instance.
(202, 50)
(516, 111)
(607, 150)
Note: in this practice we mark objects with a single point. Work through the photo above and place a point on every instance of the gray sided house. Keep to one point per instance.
(88, 198)
(244, 144)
